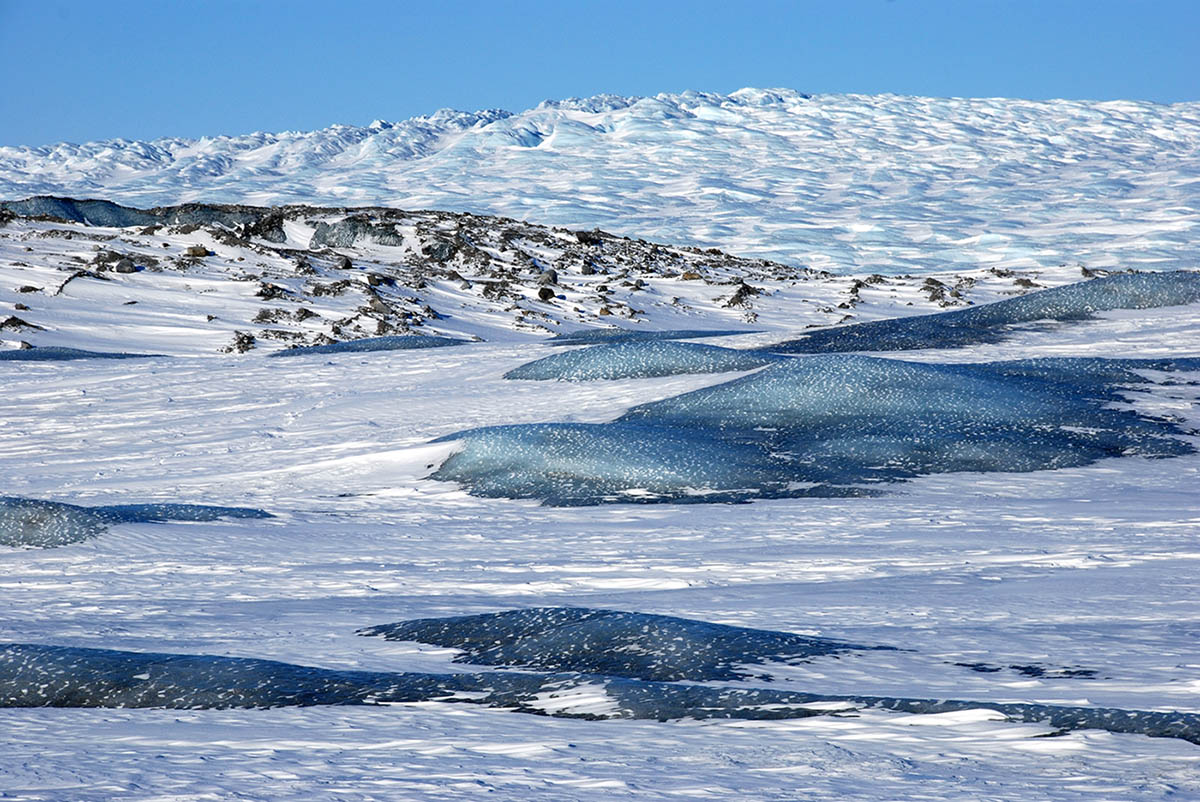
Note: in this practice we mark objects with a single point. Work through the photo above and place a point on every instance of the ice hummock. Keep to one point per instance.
(611, 642)
(825, 425)
(402, 342)
(991, 323)
(45, 524)
(640, 359)
(616, 335)
(55, 353)
(33, 675)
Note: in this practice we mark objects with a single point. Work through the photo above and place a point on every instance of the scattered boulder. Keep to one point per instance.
(243, 341)
(196, 251)
(545, 294)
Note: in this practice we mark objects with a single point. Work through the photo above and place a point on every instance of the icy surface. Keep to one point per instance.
(610, 642)
(401, 343)
(824, 425)
(613, 336)
(45, 524)
(55, 676)
(634, 360)
(993, 322)
(843, 182)
(59, 354)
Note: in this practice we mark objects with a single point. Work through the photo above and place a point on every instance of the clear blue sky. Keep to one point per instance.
(86, 70)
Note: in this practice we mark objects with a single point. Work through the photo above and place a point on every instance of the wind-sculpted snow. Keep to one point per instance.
(990, 323)
(826, 425)
(850, 183)
(611, 642)
(612, 336)
(53, 353)
(45, 524)
(61, 676)
(393, 343)
(637, 360)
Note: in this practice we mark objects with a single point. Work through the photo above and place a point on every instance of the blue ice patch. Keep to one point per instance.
(55, 353)
(995, 322)
(826, 425)
(638, 360)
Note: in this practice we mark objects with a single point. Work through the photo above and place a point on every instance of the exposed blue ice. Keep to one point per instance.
(615, 335)
(636, 360)
(611, 642)
(827, 425)
(44, 524)
(990, 323)
(55, 353)
(395, 343)
(62, 676)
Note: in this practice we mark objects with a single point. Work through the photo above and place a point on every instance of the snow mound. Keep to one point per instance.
(826, 425)
(392, 343)
(638, 360)
(991, 323)
(613, 335)
(610, 642)
(59, 354)
(44, 524)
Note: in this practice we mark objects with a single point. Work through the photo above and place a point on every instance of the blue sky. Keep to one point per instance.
(79, 71)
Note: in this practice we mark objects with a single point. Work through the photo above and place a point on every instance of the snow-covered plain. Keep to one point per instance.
(1074, 586)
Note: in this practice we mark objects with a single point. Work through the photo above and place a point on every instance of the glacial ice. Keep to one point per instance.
(610, 642)
(55, 353)
(640, 359)
(27, 522)
(825, 425)
(393, 343)
(990, 323)
(614, 335)
(34, 675)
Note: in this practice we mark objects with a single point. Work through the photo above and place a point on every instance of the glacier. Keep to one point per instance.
(26, 522)
(825, 425)
(994, 322)
(848, 183)
(638, 360)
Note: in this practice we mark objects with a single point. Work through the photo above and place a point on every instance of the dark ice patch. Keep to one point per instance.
(612, 642)
(26, 522)
(58, 354)
(393, 343)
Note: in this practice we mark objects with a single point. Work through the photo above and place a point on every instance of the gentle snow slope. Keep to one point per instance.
(845, 182)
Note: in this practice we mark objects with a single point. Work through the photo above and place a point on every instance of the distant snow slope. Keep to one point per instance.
(840, 182)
